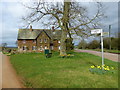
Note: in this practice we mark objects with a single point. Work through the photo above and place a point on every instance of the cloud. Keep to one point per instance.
(12, 12)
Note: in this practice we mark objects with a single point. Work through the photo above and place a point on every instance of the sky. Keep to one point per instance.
(11, 13)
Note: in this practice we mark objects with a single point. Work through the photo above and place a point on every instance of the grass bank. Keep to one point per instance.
(106, 50)
(55, 72)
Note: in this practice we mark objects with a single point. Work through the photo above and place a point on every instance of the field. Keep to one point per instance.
(37, 71)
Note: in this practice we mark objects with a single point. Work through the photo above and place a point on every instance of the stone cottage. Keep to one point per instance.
(36, 40)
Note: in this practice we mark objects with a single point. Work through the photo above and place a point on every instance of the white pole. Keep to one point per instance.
(102, 47)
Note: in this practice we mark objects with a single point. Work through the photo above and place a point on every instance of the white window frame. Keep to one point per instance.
(25, 48)
(58, 41)
(45, 47)
(41, 48)
(34, 41)
(45, 40)
(59, 47)
(51, 47)
(67, 35)
(33, 47)
(24, 41)
(53, 32)
(40, 40)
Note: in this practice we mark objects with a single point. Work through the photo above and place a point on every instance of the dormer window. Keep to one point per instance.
(24, 41)
(45, 40)
(40, 40)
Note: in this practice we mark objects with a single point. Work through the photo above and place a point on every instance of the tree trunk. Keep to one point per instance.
(64, 28)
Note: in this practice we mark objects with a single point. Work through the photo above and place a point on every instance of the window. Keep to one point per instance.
(67, 35)
(33, 47)
(24, 48)
(58, 41)
(51, 47)
(40, 40)
(34, 41)
(24, 41)
(46, 47)
(41, 48)
(59, 47)
(53, 32)
(45, 40)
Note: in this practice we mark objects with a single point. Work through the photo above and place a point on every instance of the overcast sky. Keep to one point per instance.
(11, 12)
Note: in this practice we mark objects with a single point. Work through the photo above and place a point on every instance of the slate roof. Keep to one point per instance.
(27, 34)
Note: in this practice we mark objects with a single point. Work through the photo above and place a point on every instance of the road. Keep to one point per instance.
(110, 56)
(7, 74)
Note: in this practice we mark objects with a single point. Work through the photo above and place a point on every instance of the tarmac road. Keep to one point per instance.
(110, 56)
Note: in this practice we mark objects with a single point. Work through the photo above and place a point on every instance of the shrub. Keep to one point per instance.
(94, 44)
(82, 44)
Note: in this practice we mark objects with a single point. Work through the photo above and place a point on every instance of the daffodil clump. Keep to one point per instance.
(101, 69)
(68, 55)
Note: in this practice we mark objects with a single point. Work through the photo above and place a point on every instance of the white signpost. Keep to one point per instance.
(96, 31)
(99, 31)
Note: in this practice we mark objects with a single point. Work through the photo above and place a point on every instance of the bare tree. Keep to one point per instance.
(3, 45)
(70, 17)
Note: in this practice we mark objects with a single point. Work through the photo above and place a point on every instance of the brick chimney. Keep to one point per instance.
(31, 28)
(53, 29)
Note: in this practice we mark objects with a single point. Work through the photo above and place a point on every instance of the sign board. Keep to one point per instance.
(96, 31)
(105, 33)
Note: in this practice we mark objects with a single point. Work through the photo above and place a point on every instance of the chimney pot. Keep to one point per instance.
(53, 28)
(30, 27)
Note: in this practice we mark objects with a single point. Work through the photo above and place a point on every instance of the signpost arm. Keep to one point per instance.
(102, 47)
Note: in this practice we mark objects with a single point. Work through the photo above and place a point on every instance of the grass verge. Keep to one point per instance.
(55, 72)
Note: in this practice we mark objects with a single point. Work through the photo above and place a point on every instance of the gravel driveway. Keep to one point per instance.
(8, 74)
(110, 56)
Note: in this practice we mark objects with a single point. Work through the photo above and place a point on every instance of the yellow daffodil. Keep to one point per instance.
(92, 66)
(108, 69)
(98, 67)
(103, 65)
(68, 55)
(105, 68)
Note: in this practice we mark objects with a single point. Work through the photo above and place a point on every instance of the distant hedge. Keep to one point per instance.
(95, 44)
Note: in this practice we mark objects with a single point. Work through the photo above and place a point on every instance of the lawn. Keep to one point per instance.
(39, 72)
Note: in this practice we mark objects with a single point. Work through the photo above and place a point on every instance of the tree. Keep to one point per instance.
(94, 44)
(106, 42)
(82, 44)
(70, 17)
(114, 43)
(3, 45)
